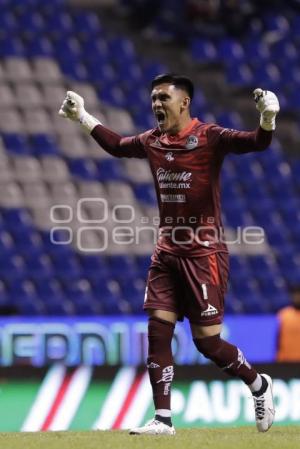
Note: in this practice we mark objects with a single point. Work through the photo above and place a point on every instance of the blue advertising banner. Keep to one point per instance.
(113, 341)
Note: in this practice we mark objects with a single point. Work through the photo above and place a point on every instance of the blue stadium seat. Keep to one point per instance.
(16, 143)
(289, 210)
(58, 24)
(268, 75)
(31, 308)
(199, 104)
(87, 25)
(113, 95)
(230, 119)
(254, 303)
(57, 307)
(24, 298)
(81, 294)
(203, 50)
(122, 267)
(25, 289)
(95, 53)
(4, 296)
(31, 23)
(109, 296)
(48, 289)
(134, 291)
(293, 99)
(48, 9)
(110, 170)
(67, 49)
(151, 69)
(88, 308)
(44, 144)
(230, 52)
(143, 264)
(105, 75)
(83, 168)
(145, 193)
(39, 266)
(11, 47)
(240, 76)
(287, 48)
(67, 268)
(122, 51)
(94, 266)
(8, 24)
(233, 305)
(18, 220)
(257, 51)
(129, 73)
(276, 23)
(277, 235)
(73, 69)
(143, 119)
(57, 249)
(7, 245)
(37, 47)
(261, 206)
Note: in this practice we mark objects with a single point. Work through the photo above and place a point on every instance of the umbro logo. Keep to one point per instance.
(211, 310)
(169, 156)
(153, 365)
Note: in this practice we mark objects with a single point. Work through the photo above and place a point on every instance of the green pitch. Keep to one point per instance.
(285, 437)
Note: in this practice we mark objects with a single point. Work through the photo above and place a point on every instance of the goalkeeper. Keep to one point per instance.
(189, 269)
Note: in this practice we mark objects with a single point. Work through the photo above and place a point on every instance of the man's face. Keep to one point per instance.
(168, 103)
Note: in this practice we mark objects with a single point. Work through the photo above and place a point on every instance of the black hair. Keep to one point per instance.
(180, 81)
(294, 288)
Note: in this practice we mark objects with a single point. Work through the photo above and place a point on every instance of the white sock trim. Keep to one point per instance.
(256, 385)
(164, 412)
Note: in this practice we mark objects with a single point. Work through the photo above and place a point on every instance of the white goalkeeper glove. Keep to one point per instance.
(268, 105)
(73, 109)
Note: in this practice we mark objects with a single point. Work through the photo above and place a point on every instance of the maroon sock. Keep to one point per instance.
(160, 361)
(227, 357)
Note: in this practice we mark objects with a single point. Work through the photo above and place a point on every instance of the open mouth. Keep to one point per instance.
(160, 117)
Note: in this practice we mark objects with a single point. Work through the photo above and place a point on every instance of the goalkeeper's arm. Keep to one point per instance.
(239, 142)
(73, 109)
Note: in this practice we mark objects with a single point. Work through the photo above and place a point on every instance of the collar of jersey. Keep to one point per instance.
(185, 131)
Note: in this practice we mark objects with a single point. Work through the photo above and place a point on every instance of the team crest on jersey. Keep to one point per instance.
(191, 142)
(169, 156)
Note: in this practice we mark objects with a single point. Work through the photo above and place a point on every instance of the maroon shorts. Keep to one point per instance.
(191, 287)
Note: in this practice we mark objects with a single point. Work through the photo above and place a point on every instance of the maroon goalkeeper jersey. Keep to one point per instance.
(186, 171)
